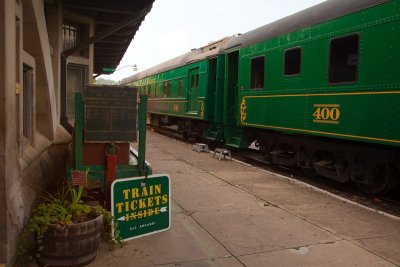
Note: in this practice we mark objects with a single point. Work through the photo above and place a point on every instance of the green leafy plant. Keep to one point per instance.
(63, 208)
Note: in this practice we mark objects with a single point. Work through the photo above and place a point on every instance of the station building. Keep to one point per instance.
(49, 49)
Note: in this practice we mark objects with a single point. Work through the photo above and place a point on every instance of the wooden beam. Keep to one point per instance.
(121, 11)
(109, 52)
(107, 61)
(114, 39)
(124, 32)
(108, 19)
(104, 41)
(109, 47)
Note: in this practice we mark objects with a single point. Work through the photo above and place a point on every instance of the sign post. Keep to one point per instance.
(141, 206)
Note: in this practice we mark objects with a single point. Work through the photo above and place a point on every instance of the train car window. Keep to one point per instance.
(257, 73)
(194, 78)
(343, 59)
(292, 61)
(168, 88)
(164, 90)
(180, 87)
(192, 82)
(157, 93)
(197, 80)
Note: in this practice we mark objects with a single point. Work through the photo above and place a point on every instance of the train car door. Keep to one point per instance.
(193, 91)
(211, 89)
(231, 90)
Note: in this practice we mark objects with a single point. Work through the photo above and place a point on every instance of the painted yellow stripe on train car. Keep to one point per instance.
(326, 121)
(325, 133)
(327, 105)
(326, 94)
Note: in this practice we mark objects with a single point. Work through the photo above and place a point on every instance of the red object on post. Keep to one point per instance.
(111, 171)
(79, 178)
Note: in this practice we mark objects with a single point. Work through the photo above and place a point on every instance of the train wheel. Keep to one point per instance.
(380, 180)
(263, 148)
(310, 172)
(185, 130)
(283, 154)
(186, 136)
(198, 138)
(304, 162)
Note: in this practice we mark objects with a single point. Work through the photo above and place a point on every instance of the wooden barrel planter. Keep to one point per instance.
(71, 245)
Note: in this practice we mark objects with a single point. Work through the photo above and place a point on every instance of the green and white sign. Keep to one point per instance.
(141, 206)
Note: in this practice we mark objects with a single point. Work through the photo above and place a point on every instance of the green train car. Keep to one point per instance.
(319, 89)
(186, 91)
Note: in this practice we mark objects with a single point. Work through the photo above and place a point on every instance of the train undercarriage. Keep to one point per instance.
(372, 168)
(188, 128)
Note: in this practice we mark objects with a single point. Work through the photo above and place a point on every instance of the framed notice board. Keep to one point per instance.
(110, 113)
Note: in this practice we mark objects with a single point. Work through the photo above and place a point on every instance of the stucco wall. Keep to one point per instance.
(3, 230)
(39, 167)
(26, 168)
(9, 150)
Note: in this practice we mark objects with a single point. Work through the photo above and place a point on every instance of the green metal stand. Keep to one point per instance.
(96, 173)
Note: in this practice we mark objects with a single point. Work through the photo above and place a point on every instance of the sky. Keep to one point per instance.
(174, 27)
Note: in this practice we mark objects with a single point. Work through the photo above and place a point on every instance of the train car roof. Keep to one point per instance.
(314, 15)
(325, 11)
(208, 51)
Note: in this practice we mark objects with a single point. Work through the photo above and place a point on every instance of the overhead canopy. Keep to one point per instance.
(116, 23)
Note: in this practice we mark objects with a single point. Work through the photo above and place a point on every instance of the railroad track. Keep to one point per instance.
(388, 203)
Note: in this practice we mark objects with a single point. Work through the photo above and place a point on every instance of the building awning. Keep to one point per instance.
(116, 23)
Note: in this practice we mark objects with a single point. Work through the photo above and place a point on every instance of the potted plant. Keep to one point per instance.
(67, 232)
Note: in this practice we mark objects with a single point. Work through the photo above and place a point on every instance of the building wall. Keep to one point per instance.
(27, 165)
(33, 144)
(8, 109)
(3, 230)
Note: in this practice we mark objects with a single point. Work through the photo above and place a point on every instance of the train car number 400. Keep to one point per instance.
(327, 113)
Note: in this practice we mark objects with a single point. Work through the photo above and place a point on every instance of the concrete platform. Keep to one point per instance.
(229, 214)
